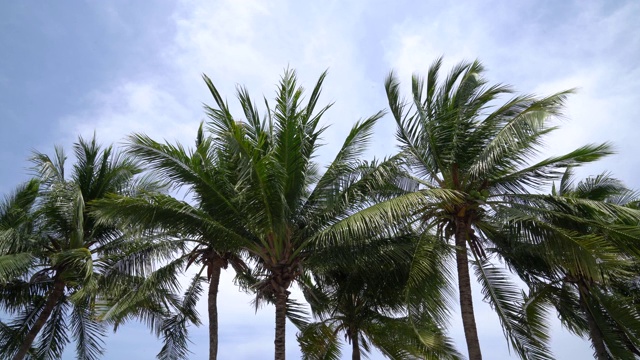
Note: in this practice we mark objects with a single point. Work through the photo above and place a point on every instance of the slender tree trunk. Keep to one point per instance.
(281, 322)
(597, 340)
(214, 282)
(54, 297)
(355, 344)
(466, 301)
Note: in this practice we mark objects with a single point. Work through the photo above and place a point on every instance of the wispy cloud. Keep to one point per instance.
(129, 107)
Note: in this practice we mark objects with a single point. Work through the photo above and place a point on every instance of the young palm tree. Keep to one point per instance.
(589, 244)
(458, 136)
(202, 233)
(365, 299)
(53, 253)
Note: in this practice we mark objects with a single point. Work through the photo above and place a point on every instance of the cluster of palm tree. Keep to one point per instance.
(374, 245)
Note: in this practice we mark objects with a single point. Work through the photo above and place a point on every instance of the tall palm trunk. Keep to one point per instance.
(214, 282)
(282, 295)
(355, 344)
(595, 334)
(464, 285)
(54, 297)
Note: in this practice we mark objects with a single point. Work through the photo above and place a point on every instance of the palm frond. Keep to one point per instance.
(527, 334)
(54, 334)
(88, 332)
(15, 266)
(318, 341)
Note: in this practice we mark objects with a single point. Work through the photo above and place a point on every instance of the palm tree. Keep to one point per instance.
(365, 299)
(458, 137)
(590, 245)
(202, 233)
(53, 253)
(288, 209)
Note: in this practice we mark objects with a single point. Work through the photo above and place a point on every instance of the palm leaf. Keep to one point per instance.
(88, 332)
(528, 338)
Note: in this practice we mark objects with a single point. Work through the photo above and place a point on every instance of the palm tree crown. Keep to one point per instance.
(56, 260)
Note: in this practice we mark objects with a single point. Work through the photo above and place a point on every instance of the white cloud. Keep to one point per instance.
(141, 107)
(592, 50)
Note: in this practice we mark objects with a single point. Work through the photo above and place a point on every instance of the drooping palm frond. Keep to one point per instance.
(151, 295)
(15, 265)
(17, 205)
(429, 287)
(360, 290)
(174, 329)
(54, 334)
(528, 333)
(87, 331)
(12, 333)
(16, 231)
(619, 322)
(399, 338)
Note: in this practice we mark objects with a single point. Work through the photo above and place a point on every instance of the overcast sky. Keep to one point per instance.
(115, 67)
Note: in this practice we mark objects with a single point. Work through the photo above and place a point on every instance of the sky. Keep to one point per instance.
(76, 68)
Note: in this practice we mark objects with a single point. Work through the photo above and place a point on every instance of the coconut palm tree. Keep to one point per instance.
(589, 246)
(202, 231)
(462, 135)
(289, 210)
(55, 255)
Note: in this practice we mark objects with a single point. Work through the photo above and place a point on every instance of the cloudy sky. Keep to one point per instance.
(115, 67)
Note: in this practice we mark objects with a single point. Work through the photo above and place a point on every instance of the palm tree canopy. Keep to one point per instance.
(284, 200)
(46, 225)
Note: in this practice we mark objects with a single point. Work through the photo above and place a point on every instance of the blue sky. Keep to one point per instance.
(75, 67)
